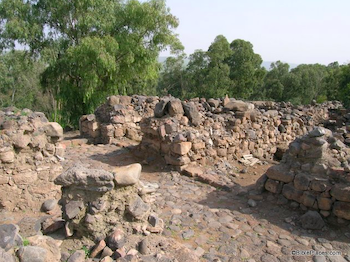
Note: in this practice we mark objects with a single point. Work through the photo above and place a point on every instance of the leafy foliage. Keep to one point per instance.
(92, 47)
(20, 83)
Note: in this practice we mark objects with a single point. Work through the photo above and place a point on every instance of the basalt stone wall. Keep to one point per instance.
(206, 131)
(30, 152)
(118, 117)
(315, 173)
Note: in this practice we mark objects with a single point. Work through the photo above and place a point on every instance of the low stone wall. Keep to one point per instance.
(315, 173)
(118, 117)
(207, 131)
(30, 152)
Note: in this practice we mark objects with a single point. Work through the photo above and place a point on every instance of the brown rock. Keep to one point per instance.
(341, 209)
(177, 161)
(181, 148)
(175, 107)
(192, 171)
(98, 249)
(21, 141)
(291, 193)
(302, 181)
(341, 192)
(273, 186)
(324, 203)
(7, 155)
(280, 173)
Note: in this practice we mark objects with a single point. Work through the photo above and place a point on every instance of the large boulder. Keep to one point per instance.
(192, 113)
(88, 179)
(9, 237)
(175, 107)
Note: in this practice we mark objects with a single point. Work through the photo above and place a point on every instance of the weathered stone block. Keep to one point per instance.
(291, 193)
(324, 203)
(302, 181)
(280, 173)
(342, 209)
(181, 148)
(341, 192)
(273, 186)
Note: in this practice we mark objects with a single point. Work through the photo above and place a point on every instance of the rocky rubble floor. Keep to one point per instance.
(235, 224)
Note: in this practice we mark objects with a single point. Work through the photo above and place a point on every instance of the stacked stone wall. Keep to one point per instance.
(30, 151)
(314, 173)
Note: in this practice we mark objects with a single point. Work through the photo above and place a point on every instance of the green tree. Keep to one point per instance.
(172, 78)
(245, 69)
(275, 80)
(305, 83)
(20, 82)
(218, 79)
(344, 85)
(196, 72)
(93, 47)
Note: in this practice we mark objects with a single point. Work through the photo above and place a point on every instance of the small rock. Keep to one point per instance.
(116, 240)
(252, 203)
(312, 220)
(78, 256)
(49, 205)
(98, 249)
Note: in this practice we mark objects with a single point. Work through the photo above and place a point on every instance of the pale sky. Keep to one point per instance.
(293, 31)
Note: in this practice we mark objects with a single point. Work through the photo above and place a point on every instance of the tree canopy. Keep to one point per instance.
(92, 48)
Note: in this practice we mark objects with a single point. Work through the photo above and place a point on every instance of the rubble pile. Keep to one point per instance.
(30, 151)
(118, 117)
(315, 173)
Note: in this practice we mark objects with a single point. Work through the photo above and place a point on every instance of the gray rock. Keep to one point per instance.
(143, 247)
(160, 109)
(49, 205)
(9, 236)
(86, 179)
(187, 234)
(78, 256)
(317, 132)
(73, 208)
(138, 209)
(116, 240)
(312, 220)
(192, 113)
(32, 254)
(252, 203)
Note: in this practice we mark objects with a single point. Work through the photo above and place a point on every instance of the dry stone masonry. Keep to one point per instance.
(118, 117)
(108, 207)
(30, 151)
(315, 173)
(200, 131)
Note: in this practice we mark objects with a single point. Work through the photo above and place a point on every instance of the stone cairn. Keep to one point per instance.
(30, 152)
(118, 117)
(108, 207)
(314, 173)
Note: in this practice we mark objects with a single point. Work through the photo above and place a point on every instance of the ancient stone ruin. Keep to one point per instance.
(315, 173)
(118, 117)
(30, 152)
(200, 131)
